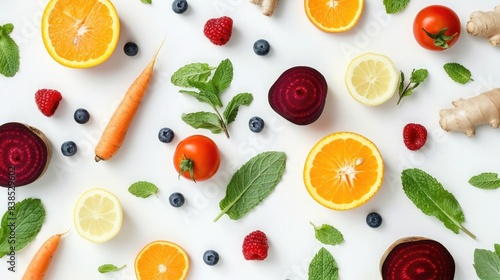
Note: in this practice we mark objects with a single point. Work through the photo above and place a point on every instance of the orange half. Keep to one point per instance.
(161, 260)
(334, 15)
(343, 171)
(80, 33)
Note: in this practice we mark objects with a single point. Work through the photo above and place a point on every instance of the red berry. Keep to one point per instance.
(47, 101)
(255, 246)
(218, 30)
(414, 136)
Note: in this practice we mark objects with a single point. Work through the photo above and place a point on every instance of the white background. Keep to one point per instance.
(285, 215)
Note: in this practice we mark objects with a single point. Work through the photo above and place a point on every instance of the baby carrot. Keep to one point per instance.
(113, 135)
(40, 263)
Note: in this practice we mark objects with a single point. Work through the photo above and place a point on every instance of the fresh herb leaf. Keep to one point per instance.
(146, 1)
(205, 120)
(9, 52)
(417, 77)
(143, 189)
(223, 75)
(194, 72)
(328, 235)
(432, 199)
(486, 264)
(458, 73)
(323, 266)
(233, 106)
(205, 96)
(253, 182)
(497, 249)
(486, 180)
(395, 6)
(27, 217)
(105, 268)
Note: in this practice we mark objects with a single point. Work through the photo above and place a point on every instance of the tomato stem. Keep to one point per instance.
(440, 39)
(187, 164)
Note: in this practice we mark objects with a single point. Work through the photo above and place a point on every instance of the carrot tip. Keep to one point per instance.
(97, 159)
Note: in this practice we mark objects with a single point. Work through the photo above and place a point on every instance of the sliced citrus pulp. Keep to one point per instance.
(334, 15)
(98, 215)
(343, 170)
(371, 79)
(80, 33)
(161, 260)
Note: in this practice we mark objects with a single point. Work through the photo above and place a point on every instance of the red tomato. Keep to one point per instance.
(442, 24)
(197, 158)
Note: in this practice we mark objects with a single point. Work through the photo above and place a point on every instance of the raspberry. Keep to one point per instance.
(47, 101)
(255, 246)
(414, 136)
(218, 30)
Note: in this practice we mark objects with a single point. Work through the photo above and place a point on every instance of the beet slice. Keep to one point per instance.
(417, 258)
(299, 95)
(25, 154)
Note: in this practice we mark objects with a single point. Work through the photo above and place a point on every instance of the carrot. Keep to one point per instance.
(113, 135)
(41, 261)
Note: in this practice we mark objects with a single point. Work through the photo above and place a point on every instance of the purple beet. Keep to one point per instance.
(299, 95)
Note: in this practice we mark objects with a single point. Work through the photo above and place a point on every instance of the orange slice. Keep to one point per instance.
(334, 15)
(343, 171)
(80, 33)
(161, 260)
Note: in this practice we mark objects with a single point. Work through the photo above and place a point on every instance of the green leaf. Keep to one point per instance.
(486, 264)
(419, 76)
(233, 106)
(401, 84)
(146, 1)
(143, 189)
(205, 120)
(432, 199)
(9, 52)
(205, 97)
(27, 219)
(395, 6)
(328, 235)
(497, 249)
(105, 268)
(486, 180)
(223, 75)
(323, 266)
(194, 72)
(253, 182)
(457, 72)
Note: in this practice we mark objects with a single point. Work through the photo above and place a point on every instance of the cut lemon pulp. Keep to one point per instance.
(334, 15)
(371, 79)
(161, 260)
(80, 33)
(343, 171)
(98, 215)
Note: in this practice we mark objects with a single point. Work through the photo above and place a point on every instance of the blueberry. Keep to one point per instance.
(179, 6)
(374, 219)
(261, 47)
(256, 124)
(131, 49)
(166, 135)
(68, 148)
(211, 257)
(176, 199)
(81, 116)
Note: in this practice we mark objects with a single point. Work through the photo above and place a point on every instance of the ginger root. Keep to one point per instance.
(268, 6)
(471, 112)
(486, 24)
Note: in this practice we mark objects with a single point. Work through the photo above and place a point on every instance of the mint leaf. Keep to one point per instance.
(486, 180)
(205, 120)
(27, 218)
(205, 96)
(233, 106)
(457, 72)
(9, 52)
(143, 189)
(223, 75)
(432, 199)
(323, 266)
(146, 1)
(194, 72)
(105, 268)
(328, 235)
(497, 249)
(417, 77)
(395, 6)
(253, 182)
(486, 264)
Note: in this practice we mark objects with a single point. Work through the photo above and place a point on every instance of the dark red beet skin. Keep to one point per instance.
(299, 95)
(24, 154)
(417, 258)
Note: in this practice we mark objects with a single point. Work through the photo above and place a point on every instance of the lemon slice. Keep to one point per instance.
(98, 215)
(371, 79)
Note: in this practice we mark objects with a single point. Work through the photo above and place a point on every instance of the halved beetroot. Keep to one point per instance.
(299, 95)
(25, 154)
(417, 258)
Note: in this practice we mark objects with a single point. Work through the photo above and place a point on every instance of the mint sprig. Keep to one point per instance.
(487, 263)
(206, 83)
(9, 52)
(417, 77)
(328, 234)
(458, 72)
(143, 189)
